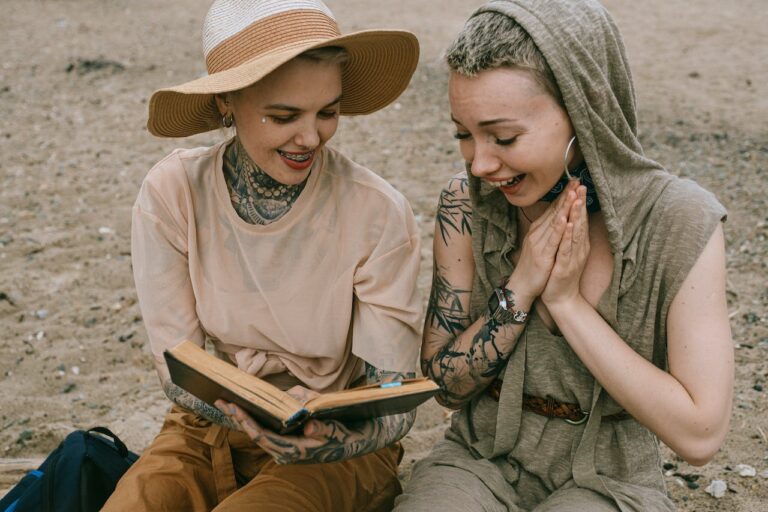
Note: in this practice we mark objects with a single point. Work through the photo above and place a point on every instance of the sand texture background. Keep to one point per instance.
(75, 76)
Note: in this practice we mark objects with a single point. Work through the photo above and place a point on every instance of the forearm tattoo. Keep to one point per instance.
(454, 211)
(464, 357)
(255, 195)
(194, 404)
(355, 439)
(460, 372)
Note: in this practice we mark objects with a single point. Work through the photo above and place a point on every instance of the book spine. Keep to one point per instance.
(297, 418)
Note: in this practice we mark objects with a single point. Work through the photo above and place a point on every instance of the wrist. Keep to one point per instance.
(524, 293)
(564, 305)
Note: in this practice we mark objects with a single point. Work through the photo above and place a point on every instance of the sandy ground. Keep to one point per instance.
(74, 79)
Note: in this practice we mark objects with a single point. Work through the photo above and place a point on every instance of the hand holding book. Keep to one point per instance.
(319, 441)
(335, 425)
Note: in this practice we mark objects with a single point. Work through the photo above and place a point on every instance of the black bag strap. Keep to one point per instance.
(119, 445)
(47, 504)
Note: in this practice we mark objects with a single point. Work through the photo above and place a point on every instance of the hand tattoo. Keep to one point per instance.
(350, 439)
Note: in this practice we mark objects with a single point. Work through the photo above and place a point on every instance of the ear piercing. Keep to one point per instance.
(565, 157)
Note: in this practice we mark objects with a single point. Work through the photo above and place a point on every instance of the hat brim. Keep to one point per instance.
(380, 66)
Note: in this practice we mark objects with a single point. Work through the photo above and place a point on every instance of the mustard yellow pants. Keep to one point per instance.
(193, 465)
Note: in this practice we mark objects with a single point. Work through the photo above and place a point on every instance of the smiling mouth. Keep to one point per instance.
(297, 157)
(508, 183)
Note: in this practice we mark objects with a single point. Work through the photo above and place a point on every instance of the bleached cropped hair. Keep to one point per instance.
(492, 40)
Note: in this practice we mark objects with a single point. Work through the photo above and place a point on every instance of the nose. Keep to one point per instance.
(308, 135)
(483, 162)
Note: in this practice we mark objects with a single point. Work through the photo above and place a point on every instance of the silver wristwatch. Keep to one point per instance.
(501, 308)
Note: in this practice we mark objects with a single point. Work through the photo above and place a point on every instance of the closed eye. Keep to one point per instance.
(284, 119)
(506, 142)
(461, 135)
(328, 114)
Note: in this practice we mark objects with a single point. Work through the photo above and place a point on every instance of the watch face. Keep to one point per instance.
(493, 303)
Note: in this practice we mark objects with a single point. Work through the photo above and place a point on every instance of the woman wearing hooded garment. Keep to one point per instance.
(578, 308)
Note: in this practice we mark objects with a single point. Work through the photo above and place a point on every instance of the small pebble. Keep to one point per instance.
(764, 473)
(41, 314)
(757, 387)
(104, 230)
(40, 335)
(745, 470)
(716, 488)
(76, 370)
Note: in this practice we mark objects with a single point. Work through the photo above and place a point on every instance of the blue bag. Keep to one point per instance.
(78, 476)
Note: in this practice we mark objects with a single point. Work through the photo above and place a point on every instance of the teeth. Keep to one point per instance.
(507, 183)
(300, 157)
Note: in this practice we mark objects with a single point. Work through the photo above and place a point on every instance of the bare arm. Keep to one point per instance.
(325, 440)
(688, 408)
(464, 357)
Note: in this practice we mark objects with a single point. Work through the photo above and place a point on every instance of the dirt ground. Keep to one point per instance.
(75, 76)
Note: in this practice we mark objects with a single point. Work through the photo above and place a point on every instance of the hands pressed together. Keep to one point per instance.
(555, 250)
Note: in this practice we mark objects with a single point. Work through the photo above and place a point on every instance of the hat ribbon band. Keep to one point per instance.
(271, 33)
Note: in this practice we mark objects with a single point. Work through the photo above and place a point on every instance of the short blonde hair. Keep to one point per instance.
(492, 40)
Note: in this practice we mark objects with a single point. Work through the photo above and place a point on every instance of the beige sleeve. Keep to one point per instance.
(387, 310)
(161, 273)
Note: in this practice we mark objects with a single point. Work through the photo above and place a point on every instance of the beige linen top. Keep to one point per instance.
(329, 284)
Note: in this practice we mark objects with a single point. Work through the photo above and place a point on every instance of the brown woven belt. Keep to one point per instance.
(551, 408)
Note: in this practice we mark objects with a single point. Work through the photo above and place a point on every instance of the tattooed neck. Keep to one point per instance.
(256, 196)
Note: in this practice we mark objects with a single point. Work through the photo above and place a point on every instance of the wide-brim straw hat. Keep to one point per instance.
(245, 40)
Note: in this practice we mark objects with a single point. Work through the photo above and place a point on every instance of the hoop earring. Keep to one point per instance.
(565, 158)
(227, 120)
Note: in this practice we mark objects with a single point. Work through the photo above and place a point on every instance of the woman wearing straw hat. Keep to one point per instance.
(297, 264)
(578, 307)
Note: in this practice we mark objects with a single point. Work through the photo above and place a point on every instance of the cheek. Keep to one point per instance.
(328, 129)
(467, 149)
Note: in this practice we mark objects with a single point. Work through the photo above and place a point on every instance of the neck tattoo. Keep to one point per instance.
(256, 196)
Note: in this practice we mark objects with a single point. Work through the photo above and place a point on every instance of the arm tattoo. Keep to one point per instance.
(444, 310)
(355, 439)
(454, 211)
(255, 195)
(461, 369)
(461, 374)
(194, 404)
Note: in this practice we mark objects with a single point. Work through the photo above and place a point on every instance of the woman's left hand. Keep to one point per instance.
(563, 283)
(322, 440)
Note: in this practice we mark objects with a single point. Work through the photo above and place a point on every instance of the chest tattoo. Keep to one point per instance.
(256, 196)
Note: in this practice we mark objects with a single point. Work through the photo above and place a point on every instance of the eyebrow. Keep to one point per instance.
(289, 108)
(489, 121)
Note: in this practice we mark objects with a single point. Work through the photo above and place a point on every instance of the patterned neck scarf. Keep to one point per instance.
(580, 173)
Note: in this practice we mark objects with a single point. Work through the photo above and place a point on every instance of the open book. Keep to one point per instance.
(210, 378)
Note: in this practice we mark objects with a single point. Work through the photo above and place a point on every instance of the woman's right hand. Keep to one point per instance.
(540, 245)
